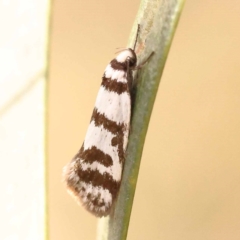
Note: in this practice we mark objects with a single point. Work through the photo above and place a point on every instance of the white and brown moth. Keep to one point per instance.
(94, 174)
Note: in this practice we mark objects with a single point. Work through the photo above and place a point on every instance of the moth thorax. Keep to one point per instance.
(127, 55)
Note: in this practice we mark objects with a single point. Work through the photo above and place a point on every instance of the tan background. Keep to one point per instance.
(189, 182)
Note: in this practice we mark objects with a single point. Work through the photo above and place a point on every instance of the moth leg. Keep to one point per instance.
(143, 63)
(137, 68)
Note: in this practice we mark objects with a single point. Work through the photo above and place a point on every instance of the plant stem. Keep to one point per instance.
(158, 20)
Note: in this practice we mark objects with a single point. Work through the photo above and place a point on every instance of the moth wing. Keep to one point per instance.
(94, 174)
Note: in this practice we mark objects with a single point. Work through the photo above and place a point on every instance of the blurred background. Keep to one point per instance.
(23, 46)
(189, 179)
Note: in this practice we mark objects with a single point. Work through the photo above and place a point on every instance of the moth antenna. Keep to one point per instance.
(138, 30)
(121, 49)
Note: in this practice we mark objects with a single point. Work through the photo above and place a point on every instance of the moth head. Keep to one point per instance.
(127, 55)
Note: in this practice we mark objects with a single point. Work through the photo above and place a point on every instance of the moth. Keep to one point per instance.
(93, 176)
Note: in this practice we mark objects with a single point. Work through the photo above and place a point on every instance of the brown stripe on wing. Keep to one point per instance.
(123, 66)
(114, 86)
(118, 65)
(95, 178)
(117, 129)
(95, 155)
(111, 126)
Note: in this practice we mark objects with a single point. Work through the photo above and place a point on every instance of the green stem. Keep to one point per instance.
(158, 20)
